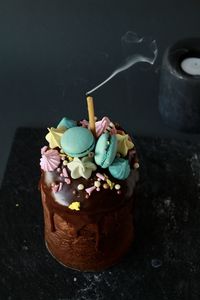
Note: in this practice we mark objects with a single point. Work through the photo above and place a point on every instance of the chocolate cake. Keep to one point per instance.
(87, 186)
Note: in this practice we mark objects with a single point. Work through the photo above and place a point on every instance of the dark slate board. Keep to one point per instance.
(164, 260)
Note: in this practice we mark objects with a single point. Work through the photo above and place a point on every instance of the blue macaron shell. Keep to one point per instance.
(67, 123)
(106, 150)
(120, 168)
(77, 141)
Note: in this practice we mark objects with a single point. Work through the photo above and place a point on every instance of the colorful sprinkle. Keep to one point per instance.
(119, 192)
(136, 165)
(100, 176)
(90, 189)
(74, 192)
(74, 206)
(110, 183)
(98, 189)
(117, 186)
(65, 162)
(80, 187)
(105, 186)
(65, 172)
(60, 186)
(67, 180)
(97, 184)
(55, 188)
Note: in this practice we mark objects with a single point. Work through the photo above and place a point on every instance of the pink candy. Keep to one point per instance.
(99, 175)
(90, 189)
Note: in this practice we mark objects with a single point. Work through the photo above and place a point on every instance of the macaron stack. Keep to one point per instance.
(87, 186)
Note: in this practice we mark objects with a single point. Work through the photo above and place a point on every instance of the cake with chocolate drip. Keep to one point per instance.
(87, 186)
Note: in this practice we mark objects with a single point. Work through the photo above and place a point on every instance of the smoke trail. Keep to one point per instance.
(131, 37)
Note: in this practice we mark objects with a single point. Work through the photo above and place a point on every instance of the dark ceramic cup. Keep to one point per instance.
(179, 95)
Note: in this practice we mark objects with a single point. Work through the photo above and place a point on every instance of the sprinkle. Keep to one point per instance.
(65, 162)
(67, 180)
(80, 187)
(117, 186)
(60, 186)
(90, 190)
(69, 158)
(100, 176)
(136, 165)
(55, 188)
(110, 183)
(105, 186)
(86, 196)
(74, 192)
(98, 189)
(61, 175)
(65, 172)
(58, 170)
(74, 205)
(98, 179)
(97, 184)
(119, 192)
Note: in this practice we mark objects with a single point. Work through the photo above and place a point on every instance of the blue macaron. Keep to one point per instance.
(106, 150)
(67, 123)
(120, 168)
(77, 141)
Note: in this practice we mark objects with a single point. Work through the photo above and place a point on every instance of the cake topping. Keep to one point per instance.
(81, 167)
(50, 160)
(80, 187)
(66, 123)
(120, 168)
(74, 205)
(85, 157)
(77, 141)
(54, 136)
(123, 143)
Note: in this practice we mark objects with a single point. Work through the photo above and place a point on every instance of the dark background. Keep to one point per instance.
(52, 52)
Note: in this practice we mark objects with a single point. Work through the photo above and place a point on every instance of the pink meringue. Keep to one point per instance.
(105, 125)
(50, 160)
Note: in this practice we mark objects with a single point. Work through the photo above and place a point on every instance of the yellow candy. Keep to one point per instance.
(110, 183)
(74, 206)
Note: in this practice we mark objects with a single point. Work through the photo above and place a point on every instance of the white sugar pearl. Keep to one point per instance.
(136, 165)
(97, 184)
(117, 186)
(65, 162)
(80, 187)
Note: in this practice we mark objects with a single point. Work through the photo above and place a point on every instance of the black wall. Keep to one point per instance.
(52, 52)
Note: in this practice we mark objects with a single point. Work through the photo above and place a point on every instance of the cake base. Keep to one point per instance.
(91, 242)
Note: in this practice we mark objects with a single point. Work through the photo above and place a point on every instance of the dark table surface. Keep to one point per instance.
(163, 262)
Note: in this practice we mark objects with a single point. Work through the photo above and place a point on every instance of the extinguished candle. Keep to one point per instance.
(191, 66)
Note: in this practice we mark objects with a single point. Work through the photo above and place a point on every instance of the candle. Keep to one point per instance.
(90, 105)
(191, 65)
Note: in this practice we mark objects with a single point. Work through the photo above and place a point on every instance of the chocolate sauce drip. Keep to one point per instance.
(51, 216)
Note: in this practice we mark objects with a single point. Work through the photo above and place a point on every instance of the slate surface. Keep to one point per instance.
(164, 261)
